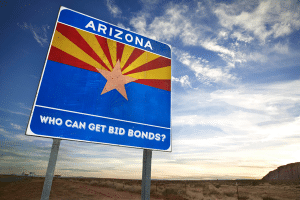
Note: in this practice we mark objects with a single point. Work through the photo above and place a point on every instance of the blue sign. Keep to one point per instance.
(103, 84)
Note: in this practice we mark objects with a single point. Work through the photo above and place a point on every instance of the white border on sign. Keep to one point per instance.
(28, 131)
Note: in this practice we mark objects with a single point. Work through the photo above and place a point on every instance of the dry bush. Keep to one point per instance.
(229, 194)
(182, 192)
(119, 186)
(134, 189)
(111, 184)
(255, 183)
(169, 191)
(160, 187)
(243, 197)
(269, 198)
(213, 192)
(202, 185)
(195, 195)
(94, 183)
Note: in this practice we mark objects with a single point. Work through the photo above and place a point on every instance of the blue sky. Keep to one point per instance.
(235, 79)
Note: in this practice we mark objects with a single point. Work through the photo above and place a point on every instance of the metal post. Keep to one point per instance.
(146, 176)
(50, 169)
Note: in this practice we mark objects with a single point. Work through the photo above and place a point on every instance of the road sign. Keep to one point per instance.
(103, 84)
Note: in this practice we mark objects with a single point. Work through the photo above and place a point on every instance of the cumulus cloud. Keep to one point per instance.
(269, 18)
(183, 80)
(202, 69)
(174, 23)
(113, 8)
(241, 37)
(39, 33)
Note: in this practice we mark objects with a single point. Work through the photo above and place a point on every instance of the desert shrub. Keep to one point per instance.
(199, 185)
(269, 198)
(135, 189)
(120, 189)
(93, 183)
(255, 183)
(217, 185)
(182, 192)
(169, 191)
(230, 194)
(213, 191)
(152, 190)
(243, 198)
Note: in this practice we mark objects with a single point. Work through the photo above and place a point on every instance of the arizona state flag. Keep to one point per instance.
(104, 84)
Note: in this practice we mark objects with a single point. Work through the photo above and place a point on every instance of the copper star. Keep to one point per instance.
(116, 80)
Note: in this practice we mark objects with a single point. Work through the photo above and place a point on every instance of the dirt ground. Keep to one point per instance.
(94, 188)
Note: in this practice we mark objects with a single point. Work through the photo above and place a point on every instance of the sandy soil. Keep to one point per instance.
(63, 189)
(87, 188)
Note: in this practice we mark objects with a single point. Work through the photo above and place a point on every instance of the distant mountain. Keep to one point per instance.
(286, 172)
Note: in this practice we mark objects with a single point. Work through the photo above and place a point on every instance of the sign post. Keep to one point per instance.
(104, 84)
(50, 169)
(146, 174)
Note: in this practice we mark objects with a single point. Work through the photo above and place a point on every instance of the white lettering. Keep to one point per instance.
(68, 123)
(52, 120)
(102, 27)
(103, 128)
(157, 137)
(137, 40)
(81, 125)
(148, 44)
(58, 122)
(151, 136)
(110, 31)
(144, 135)
(137, 133)
(92, 126)
(121, 131)
(130, 132)
(91, 25)
(111, 130)
(75, 125)
(119, 33)
(128, 40)
(98, 127)
(44, 119)
(116, 130)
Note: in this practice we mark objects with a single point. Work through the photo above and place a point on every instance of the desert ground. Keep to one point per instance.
(18, 187)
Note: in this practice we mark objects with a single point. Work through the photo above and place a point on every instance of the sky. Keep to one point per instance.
(235, 78)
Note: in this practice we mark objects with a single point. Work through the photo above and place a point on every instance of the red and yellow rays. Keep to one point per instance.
(85, 50)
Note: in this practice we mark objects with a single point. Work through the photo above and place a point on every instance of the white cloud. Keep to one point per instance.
(174, 23)
(203, 71)
(262, 111)
(113, 8)
(240, 37)
(268, 19)
(39, 34)
(3, 130)
(183, 80)
(122, 26)
(16, 126)
(14, 112)
(249, 124)
(22, 105)
(280, 48)
(213, 46)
